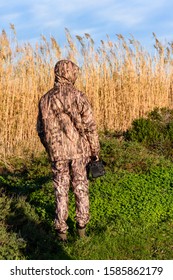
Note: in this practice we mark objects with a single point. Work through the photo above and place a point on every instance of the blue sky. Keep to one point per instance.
(33, 18)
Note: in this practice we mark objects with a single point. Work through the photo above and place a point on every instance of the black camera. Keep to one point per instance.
(95, 168)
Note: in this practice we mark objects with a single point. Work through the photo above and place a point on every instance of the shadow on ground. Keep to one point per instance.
(39, 236)
(41, 241)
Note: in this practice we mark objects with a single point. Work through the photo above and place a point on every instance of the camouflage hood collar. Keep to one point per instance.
(65, 72)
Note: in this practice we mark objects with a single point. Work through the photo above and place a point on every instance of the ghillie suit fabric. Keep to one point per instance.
(67, 129)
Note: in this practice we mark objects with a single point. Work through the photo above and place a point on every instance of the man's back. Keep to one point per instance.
(65, 120)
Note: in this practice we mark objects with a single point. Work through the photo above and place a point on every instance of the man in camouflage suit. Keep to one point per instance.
(68, 132)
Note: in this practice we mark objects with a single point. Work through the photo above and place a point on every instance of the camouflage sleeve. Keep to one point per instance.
(89, 125)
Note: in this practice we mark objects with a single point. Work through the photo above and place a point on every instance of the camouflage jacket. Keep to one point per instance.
(65, 121)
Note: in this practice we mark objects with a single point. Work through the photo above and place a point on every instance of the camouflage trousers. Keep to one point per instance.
(64, 173)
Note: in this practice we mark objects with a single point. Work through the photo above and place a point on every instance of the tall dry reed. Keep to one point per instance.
(121, 79)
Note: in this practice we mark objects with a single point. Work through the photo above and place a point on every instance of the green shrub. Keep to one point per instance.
(155, 131)
(130, 156)
(144, 131)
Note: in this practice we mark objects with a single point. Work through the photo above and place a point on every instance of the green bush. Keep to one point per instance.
(145, 131)
(155, 131)
(130, 156)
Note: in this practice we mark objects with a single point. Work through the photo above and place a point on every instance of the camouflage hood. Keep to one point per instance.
(65, 72)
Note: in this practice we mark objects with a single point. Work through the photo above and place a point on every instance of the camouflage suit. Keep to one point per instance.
(68, 132)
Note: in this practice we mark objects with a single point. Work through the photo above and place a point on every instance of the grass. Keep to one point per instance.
(131, 208)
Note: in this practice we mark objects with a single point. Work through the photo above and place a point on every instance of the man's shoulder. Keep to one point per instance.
(47, 95)
(80, 94)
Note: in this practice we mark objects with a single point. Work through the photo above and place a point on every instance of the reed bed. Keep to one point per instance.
(121, 79)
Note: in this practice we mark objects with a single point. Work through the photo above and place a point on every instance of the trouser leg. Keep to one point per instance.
(81, 190)
(61, 183)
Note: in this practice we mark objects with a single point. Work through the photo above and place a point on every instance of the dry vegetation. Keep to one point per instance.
(121, 79)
